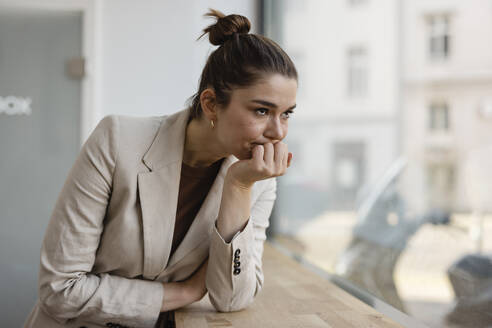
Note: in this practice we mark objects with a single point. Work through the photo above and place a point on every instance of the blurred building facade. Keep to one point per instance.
(402, 82)
(447, 98)
(384, 79)
(347, 55)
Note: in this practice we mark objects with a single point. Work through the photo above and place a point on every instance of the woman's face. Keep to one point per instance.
(256, 114)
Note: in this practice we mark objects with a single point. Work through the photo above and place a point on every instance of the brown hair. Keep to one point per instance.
(240, 60)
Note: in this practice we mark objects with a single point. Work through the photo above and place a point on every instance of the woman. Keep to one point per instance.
(157, 211)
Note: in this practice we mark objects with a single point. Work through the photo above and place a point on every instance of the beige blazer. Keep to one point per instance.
(106, 248)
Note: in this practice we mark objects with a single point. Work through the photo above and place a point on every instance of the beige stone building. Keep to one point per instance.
(384, 79)
(446, 100)
(343, 133)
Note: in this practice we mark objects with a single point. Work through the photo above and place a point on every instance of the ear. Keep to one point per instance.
(208, 101)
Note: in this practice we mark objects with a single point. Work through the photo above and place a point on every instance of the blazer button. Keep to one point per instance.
(237, 252)
(236, 258)
(237, 271)
(237, 265)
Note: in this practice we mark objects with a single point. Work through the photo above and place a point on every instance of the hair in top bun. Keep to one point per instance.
(225, 27)
(241, 60)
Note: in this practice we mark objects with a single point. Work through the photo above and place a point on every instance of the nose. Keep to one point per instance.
(275, 130)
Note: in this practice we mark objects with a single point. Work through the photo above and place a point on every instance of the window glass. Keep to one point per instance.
(357, 74)
(439, 117)
(390, 186)
(439, 36)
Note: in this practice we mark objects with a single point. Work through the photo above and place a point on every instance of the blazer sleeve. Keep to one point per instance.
(67, 288)
(234, 273)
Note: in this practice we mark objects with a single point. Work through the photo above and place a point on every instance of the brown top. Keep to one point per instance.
(194, 186)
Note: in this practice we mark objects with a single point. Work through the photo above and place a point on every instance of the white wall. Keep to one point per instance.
(150, 62)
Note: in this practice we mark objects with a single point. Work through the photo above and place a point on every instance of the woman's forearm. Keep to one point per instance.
(179, 294)
(234, 209)
(175, 296)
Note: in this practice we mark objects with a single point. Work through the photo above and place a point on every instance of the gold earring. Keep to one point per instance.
(212, 123)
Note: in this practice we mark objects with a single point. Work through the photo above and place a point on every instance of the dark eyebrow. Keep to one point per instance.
(269, 104)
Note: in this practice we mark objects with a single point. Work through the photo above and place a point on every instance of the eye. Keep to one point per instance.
(262, 111)
(288, 113)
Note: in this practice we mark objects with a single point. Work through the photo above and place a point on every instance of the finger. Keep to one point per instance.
(257, 154)
(289, 159)
(285, 160)
(269, 154)
(280, 149)
(280, 157)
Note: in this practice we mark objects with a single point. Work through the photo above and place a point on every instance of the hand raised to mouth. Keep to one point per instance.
(267, 161)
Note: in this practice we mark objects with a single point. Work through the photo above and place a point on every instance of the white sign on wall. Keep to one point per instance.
(11, 105)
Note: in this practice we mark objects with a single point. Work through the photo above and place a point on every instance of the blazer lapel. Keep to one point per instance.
(158, 192)
(199, 232)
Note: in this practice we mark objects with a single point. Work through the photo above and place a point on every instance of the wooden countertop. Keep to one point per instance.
(292, 296)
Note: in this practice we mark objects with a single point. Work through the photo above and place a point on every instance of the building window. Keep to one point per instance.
(441, 183)
(439, 37)
(357, 72)
(348, 172)
(438, 117)
(441, 176)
